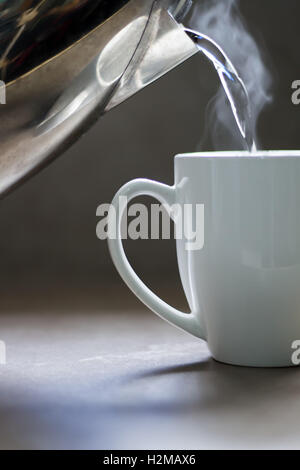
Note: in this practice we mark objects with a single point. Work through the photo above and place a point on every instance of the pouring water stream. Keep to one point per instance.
(233, 85)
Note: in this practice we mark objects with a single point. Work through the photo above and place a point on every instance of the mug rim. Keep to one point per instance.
(241, 154)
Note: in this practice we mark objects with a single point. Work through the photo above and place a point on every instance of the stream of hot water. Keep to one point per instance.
(233, 85)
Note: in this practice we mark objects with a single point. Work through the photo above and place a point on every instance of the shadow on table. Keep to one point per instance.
(208, 384)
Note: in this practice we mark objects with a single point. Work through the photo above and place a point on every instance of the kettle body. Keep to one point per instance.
(65, 64)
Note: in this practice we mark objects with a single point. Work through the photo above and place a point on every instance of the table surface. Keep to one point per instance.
(104, 378)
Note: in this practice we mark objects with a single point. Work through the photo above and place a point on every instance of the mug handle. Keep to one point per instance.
(165, 195)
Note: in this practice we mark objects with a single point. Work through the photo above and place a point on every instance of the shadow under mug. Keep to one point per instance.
(243, 283)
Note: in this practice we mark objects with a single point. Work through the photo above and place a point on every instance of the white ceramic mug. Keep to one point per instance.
(243, 286)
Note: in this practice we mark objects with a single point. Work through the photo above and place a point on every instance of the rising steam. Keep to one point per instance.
(220, 20)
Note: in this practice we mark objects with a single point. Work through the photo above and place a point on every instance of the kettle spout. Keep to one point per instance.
(163, 46)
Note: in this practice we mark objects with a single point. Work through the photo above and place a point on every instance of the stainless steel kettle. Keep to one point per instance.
(65, 63)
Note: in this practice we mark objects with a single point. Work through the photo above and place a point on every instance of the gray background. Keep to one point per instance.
(48, 226)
